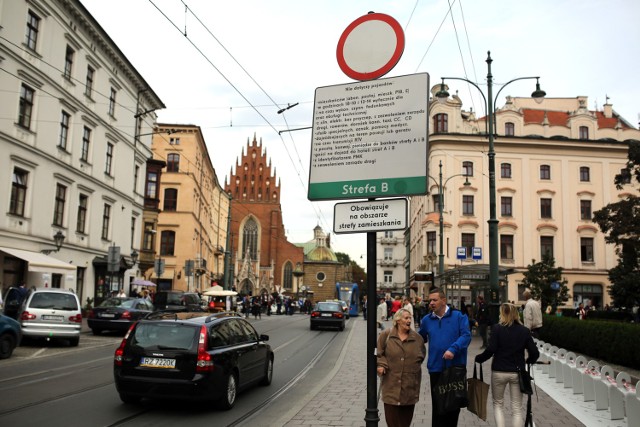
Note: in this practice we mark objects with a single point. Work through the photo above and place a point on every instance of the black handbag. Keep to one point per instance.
(451, 389)
(524, 379)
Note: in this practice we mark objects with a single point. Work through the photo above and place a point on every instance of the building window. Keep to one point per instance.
(388, 254)
(18, 192)
(431, 242)
(173, 162)
(585, 209)
(506, 246)
(468, 241)
(506, 205)
(287, 280)
(136, 176)
(467, 205)
(149, 233)
(505, 170)
(388, 278)
(88, 86)
(174, 141)
(26, 106)
(109, 161)
(440, 123)
(106, 220)
(388, 234)
(112, 102)
(436, 202)
(33, 24)
(584, 174)
(81, 222)
(250, 239)
(151, 190)
(68, 62)
(167, 242)
(545, 208)
(545, 172)
(625, 176)
(58, 209)
(64, 130)
(467, 168)
(584, 132)
(586, 249)
(133, 230)
(509, 129)
(546, 246)
(86, 143)
(170, 199)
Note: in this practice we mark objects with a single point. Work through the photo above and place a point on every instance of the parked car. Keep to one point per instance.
(10, 336)
(48, 313)
(117, 314)
(327, 314)
(191, 356)
(177, 301)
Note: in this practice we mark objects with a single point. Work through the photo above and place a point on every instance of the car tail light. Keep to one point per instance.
(76, 319)
(117, 357)
(315, 314)
(27, 316)
(204, 363)
(338, 315)
(126, 315)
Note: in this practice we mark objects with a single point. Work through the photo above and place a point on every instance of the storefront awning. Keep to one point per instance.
(40, 263)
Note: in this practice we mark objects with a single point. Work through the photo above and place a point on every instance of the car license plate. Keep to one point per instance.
(52, 317)
(108, 315)
(326, 314)
(155, 362)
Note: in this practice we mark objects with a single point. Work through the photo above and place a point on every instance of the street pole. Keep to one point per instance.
(372, 416)
(440, 208)
(494, 299)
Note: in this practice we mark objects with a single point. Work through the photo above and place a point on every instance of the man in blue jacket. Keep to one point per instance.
(447, 332)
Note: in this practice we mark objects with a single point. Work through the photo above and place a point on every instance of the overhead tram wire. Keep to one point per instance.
(464, 67)
(434, 38)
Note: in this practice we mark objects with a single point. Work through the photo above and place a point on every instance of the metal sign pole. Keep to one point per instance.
(372, 414)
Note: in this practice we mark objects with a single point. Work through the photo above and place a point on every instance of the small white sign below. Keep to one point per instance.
(370, 216)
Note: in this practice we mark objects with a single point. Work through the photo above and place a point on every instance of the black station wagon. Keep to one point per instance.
(193, 356)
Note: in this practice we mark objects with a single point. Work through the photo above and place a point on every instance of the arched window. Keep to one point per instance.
(545, 172)
(584, 132)
(250, 239)
(467, 168)
(509, 129)
(173, 162)
(440, 123)
(584, 174)
(287, 279)
(170, 199)
(167, 242)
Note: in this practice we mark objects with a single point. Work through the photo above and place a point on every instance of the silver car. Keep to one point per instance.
(51, 313)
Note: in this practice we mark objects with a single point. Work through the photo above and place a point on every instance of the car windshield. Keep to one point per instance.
(165, 336)
(54, 301)
(328, 306)
(117, 302)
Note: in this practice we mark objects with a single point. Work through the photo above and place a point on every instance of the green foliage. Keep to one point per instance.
(539, 276)
(612, 342)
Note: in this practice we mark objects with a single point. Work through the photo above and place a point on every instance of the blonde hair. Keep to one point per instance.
(509, 314)
(398, 315)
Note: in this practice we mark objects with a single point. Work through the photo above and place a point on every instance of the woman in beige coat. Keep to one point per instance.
(400, 354)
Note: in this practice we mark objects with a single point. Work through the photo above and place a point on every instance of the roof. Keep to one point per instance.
(561, 118)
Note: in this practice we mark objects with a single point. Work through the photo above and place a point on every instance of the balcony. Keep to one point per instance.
(388, 240)
(387, 262)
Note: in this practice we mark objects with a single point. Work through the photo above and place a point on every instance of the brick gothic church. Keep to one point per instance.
(263, 259)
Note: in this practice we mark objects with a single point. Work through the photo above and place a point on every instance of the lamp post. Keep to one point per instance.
(440, 209)
(58, 240)
(490, 103)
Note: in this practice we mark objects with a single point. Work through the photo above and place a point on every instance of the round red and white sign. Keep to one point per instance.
(370, 46)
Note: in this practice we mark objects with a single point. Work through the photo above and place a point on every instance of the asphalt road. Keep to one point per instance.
(52, 384)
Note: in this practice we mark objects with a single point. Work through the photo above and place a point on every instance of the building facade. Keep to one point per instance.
(74, 158)
(263, 260)
(555, 165)
(391, 271)
(190, 235)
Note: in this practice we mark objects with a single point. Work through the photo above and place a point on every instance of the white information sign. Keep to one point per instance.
(378, 215)
(370, 139)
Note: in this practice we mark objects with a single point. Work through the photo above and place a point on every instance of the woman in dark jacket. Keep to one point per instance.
(509, 339)
(400, 354)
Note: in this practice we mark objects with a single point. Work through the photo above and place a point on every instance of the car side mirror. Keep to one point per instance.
(264, 337)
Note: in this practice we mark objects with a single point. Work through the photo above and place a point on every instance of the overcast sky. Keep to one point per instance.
(287, 48)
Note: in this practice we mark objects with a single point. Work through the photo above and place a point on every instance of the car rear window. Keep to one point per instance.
(165, 336)
(54, 301)
(329, 306)
(116, 302)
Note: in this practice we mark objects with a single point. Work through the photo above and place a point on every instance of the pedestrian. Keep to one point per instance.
(400, 353)
(509, 339)
(406, 304)
(396, 305)
(122, 293)
(447, 333)
(279, 304)
(364, 307)
(482, 319)
(381, 313)
(581, 312)
(532, 314)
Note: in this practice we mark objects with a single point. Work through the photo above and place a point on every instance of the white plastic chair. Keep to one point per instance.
(577, 374)
(568, 368)
(591, 376)
(632, 404)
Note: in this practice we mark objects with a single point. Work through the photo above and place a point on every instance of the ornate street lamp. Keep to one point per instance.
(134, 257)
(490, 103)
(58, 240)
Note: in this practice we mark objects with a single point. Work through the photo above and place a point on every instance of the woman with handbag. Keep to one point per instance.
(400, 354)
(509, 339)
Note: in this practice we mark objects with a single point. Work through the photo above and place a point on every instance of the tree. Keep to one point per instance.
(538, 278)
(620, 223)
(358, 275)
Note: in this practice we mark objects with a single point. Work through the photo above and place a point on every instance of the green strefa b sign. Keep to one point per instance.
(370, 139)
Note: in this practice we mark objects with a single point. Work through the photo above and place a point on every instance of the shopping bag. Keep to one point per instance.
(478, 392)
(451, 389)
